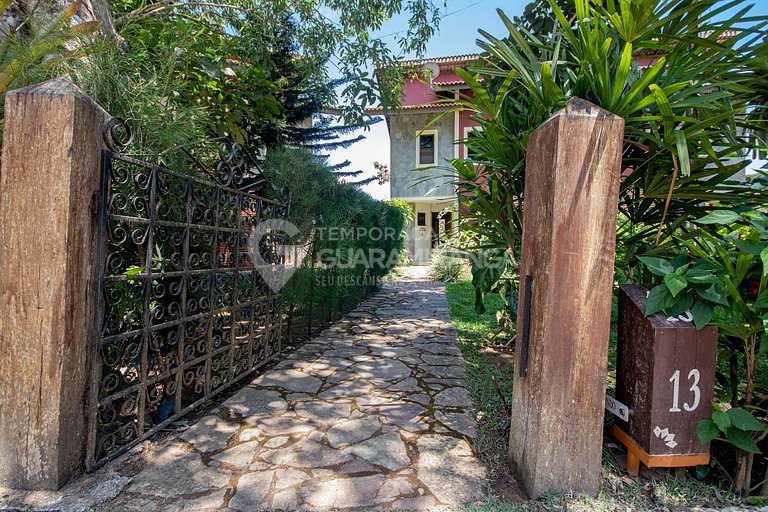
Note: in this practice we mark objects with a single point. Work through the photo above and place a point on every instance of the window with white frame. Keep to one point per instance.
(468, 131)
(426, 147)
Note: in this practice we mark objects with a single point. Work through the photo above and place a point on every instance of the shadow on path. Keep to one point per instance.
(372, 413)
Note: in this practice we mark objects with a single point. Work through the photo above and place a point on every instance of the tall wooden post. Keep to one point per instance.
(573, 168)
(49, 186)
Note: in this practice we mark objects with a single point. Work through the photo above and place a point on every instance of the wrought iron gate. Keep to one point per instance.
(186, 305)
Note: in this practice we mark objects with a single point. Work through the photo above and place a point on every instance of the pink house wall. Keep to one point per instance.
(418, 91)
(464, 122)
(645, 62)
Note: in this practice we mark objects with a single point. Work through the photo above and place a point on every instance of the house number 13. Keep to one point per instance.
(675, 380)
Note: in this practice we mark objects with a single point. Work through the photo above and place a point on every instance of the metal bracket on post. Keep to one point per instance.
(616, 408)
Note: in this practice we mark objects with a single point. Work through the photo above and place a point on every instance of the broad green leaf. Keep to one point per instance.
(683, 303)
(764, 258)
(722, 420)
(682, 153)
(719, 217)
(658, 299)
(680, 261)
(756, 219)
(702, 313)
(657, 266)
(675, 282)
(697, 275)
(743, 419)
(762, 300)
(712, 294)
(742, 440)
(706, 430)
(750, 246)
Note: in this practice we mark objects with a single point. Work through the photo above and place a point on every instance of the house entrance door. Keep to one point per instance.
(422, 234)
(441, 227)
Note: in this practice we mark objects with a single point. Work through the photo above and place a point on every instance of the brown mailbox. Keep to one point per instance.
(665, 375)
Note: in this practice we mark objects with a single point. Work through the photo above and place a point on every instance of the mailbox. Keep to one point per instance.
(665, 375)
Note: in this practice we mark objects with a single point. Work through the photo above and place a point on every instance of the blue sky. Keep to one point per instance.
(457, 35)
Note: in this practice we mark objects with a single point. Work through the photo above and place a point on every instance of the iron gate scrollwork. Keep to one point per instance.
(186, 310)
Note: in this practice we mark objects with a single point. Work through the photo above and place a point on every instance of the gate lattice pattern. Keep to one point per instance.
(186, 311)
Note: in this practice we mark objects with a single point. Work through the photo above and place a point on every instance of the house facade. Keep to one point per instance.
(416, 154)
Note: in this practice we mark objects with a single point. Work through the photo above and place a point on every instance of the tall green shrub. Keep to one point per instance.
(351, 241)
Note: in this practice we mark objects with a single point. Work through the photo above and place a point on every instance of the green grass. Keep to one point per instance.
(483, 368)
(618, 492)
(474, 333)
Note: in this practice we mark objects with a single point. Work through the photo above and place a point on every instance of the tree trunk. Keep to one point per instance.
(99, 10)
(741, 471)
(16, 16)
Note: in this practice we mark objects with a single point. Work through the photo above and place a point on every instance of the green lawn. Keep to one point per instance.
(483, 363)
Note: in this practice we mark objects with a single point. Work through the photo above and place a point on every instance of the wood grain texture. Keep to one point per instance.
(48, 237)
(571, 197)
(649, 351)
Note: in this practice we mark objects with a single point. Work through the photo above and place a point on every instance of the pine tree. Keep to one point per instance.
(303, 98)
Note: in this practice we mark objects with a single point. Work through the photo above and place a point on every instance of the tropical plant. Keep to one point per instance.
(738, 427)
(32, 49)
(688, 288)
(720, 276)
(34, 40)
(685, 137)
(681, 112)
(446, 266)
(738, 253)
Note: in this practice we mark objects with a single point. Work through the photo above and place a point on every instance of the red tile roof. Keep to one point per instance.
(452, 82)
(443, 61)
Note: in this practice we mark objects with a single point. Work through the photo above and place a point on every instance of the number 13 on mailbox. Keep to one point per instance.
(665, 375)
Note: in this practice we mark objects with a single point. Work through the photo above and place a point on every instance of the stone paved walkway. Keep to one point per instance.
(372, 413)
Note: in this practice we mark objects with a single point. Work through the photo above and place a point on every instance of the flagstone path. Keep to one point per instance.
(373, 413)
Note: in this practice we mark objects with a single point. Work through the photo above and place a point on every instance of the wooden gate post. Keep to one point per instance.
(573, 168)
(49, 185)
